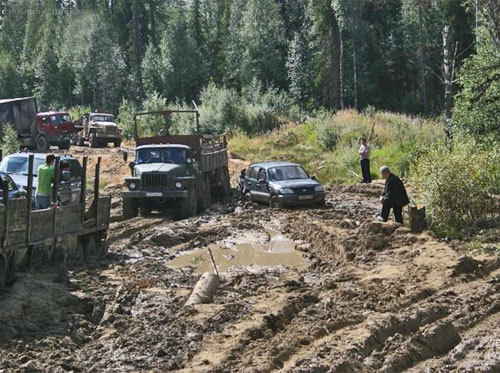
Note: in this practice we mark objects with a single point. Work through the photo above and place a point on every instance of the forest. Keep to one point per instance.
(389, 54)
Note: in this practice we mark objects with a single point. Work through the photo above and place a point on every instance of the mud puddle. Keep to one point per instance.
(279, 251)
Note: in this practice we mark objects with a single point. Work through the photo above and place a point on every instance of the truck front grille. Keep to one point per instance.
(154, 181)
(110, 129)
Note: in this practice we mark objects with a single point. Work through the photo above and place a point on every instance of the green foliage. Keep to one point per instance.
(10, 142)
(125, 119)
(221, 110)
(478, 103)
(78, 111)
(459, 186)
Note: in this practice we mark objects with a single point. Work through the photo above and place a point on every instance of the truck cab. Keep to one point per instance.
(161, 175)
(55, 128)
(99, 129)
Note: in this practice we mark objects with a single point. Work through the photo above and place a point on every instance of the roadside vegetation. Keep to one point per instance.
(9, 143)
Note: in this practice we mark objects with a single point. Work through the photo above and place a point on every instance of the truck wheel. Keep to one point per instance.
(80, 141)
(129, 208)
(188, 206)
(42, 143)
(145, 212)
(3, 272)
(118, 143)
(64, 145)
(90, 247)
(93, 140)
(205, 196)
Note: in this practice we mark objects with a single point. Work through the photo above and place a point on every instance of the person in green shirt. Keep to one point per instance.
(45, 178)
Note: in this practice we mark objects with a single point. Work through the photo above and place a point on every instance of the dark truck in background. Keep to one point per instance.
(176, 172)
(36, 131)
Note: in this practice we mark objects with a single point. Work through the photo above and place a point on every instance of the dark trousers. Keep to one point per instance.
(365, 169)
(386, 209)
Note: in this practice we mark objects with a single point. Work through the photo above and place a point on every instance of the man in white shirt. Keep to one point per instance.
(364, 152)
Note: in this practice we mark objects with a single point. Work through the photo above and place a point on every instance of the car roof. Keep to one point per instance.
(273, 164)
(38, 155)
(159, 146)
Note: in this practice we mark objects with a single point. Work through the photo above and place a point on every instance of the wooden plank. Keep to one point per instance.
(68, 219)
(41, 225)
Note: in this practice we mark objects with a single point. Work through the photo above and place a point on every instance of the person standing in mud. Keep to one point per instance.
(241, 184)
(45, 176)
(364, 152)
(394, 196)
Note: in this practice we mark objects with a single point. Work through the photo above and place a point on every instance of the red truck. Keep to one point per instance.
(36, 131)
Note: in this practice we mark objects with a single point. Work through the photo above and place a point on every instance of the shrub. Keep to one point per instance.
(78, 111)
(459, 186)
(126, 118)
(221, 110)
(10, 142)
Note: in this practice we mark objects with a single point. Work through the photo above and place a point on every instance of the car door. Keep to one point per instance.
(262, 189)
(251, 181)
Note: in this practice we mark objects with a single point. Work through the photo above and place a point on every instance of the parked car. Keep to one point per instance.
(282, 184)
(14, 190)
(16, 166)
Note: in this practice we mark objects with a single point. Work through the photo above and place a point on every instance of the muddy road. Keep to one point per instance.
(303, 290)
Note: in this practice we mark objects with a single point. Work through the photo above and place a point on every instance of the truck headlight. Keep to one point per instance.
(178, 185)
(132, 185)
(286, 191)
(319, 188)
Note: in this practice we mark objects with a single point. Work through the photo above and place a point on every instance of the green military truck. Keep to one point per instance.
(181, 173)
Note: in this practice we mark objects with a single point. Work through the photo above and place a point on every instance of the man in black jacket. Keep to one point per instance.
(394, 196)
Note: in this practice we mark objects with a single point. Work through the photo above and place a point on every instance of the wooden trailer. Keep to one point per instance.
(31, 238)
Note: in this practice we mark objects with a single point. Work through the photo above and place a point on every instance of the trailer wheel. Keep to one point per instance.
(42, 143)
(129, 208)
(3, 272)
(90, 247)
(188, 206)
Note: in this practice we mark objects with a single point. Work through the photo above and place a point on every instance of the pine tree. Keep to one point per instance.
(264, 44)
(300, 67)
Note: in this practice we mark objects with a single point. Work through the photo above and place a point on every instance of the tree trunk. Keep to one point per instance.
(448, 81)
(355, 74)
(422, 58)
(341, 70)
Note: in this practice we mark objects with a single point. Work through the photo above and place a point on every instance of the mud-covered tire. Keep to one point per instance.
(145, 212)
(188, 207)
(129, 208)
(321, 203)
(205, 199)
(248, 197)
(274, 202)
(42, 143)
(80, 141)
(93, 140)
(90, 247)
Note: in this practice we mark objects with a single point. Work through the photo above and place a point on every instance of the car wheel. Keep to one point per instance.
(42, 143)
(274, 202)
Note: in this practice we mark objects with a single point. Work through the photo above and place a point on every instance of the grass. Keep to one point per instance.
(327, 144)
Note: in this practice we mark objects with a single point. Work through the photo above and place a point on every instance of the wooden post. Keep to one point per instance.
(29, 197)
(5, 196)
(96, 188)
(55, 187)
(197, 123)
(84, 186)
(1, 155)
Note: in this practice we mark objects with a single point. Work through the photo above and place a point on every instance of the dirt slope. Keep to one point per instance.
(372, 297)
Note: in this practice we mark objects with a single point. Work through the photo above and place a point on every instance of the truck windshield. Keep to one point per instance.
(103, 118)
(287, 173)
(19, 165)
(60, 119)
(161, 155)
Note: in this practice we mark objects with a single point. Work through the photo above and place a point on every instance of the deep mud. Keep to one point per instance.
(362, 297)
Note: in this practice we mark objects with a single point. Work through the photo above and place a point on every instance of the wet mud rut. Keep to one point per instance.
(303, 290)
